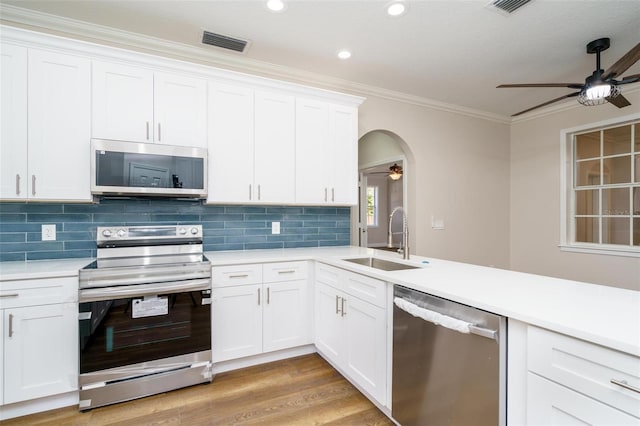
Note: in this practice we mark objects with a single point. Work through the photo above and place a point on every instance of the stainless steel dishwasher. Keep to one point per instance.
(449, 362)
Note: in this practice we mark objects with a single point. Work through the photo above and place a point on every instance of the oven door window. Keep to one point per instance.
(139, 329)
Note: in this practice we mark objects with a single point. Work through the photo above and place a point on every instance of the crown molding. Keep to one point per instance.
(66, 27)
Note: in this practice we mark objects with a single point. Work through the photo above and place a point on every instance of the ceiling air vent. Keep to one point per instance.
(508, 6)
(223, 41)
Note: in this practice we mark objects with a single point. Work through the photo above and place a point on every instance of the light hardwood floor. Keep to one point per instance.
(297, 391)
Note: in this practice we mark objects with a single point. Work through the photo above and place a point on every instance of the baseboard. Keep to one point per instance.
(235, 364)
(32, 406)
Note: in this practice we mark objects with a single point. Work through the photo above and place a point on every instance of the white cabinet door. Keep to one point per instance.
(13, 122)
(230, 143)
(2, 357)
(344, 154)
(59, 105)
(285, 315)
(365, 353)
(313, 162)
(274, 148)
(122, 102)
(180, 110)
(329, 334)
(550, 404)
(236, 322)
(41, 351)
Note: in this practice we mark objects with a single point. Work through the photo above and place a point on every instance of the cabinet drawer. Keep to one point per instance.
(224, 276)
(46, 291)
(284, 271)
(328, 275)
(368, 289)
(551, 404)
(585, 367)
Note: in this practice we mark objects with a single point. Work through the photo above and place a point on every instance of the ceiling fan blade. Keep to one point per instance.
(623, 64)
(569, 85)
(547, 103)
(630, 79)
(619, 101)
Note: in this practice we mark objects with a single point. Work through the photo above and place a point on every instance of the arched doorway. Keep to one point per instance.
(384, 163)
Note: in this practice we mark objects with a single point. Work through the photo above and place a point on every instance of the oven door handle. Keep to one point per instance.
(120, 292)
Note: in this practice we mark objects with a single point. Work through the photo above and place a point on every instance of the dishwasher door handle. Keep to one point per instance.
(444, 320)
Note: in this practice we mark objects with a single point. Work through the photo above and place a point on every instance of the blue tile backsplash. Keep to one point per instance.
(225, 227)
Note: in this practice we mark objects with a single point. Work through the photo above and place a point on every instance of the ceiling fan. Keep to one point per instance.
(395, 172)
(601, 86)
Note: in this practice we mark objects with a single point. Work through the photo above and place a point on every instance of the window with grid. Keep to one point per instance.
(372, 206)
(605, 192)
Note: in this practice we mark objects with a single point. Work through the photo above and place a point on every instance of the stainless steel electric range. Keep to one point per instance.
(145, 314)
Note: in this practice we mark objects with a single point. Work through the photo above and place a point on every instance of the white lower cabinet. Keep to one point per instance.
(39, 341)
(570, 382)
(549, 403)
(252, 315)
(351, 332)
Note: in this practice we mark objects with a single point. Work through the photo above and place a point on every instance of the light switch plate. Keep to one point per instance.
(49, 232)
(437, 224)
(275, 227)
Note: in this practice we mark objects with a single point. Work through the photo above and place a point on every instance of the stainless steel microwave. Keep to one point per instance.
(147, 169)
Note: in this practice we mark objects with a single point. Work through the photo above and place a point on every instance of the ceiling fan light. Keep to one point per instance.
(395, 175)
(598, 94)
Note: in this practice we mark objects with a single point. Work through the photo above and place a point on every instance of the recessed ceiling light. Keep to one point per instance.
(396, 9)
(275, 5)
(344, 54)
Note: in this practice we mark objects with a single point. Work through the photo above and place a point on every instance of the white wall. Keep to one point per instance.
(458, 171)
(535, 201)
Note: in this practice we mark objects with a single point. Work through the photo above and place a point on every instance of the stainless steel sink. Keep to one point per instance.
(377, 263)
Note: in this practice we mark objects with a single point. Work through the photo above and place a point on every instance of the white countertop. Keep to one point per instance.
(604, 315)
(35, 269)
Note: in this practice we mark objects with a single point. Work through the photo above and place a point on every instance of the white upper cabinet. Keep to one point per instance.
(13, 122)
(180, 110)
(122, 102)
(343, 134)
(312, 152)
(326, 153)
(230, 143)
(46, 99)
(274, 148)
(251, 145)
(137, 105)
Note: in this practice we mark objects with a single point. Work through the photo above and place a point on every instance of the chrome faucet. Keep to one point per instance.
(404, 248)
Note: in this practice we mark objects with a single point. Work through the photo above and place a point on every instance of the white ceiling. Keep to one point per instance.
(455, 52)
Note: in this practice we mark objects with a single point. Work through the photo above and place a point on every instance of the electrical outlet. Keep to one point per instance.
(48, 232)
(275, 227)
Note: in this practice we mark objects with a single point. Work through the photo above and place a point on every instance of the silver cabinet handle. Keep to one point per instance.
(288, 271)
(9, 295)
(147, 130)
(33, 184)
(17, 184)
(342, 307)
(159, 133)
(483, 332)
(250, 192)
(624, 384)
(258, 297)
(268, 295)
(258, 192)
(239, 276)
(333, 194)
(325, 194)
(337, 310)
(10, 325)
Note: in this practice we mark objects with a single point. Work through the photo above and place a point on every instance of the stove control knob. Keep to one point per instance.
(106, 233)
(182, 231)
(121, 233)
(194, 231)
